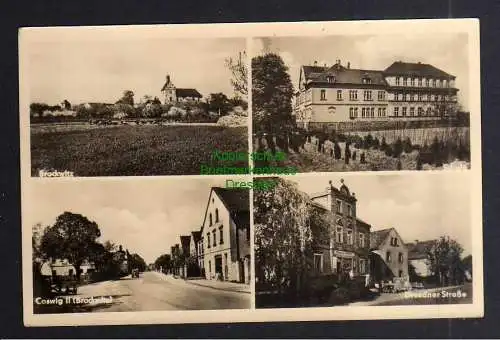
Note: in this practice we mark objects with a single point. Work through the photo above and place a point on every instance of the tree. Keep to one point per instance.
(285, 229)
(36, 239)
(239, 72)
(38, 108)
(71, 237)
(347, 153)
(66, 105)
(445, 261)
(127, 98)
(272, 93)
(397, 148)
(219, 103)
(136, 262)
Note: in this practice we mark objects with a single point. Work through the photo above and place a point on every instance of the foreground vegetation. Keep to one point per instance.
(133, 150)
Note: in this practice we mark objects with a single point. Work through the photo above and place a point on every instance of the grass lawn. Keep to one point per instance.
(134, 150)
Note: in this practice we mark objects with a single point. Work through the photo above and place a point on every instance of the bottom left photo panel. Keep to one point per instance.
(156, 244)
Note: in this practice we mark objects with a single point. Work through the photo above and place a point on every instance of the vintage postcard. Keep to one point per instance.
(251, 172)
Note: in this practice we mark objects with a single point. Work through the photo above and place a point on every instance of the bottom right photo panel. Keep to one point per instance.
(324, 240)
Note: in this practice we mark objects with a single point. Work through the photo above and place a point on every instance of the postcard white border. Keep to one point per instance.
(249, 31)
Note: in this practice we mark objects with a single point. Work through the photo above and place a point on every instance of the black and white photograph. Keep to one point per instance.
(323, 241)
(112, 103)
(163, 245)
(363, 102)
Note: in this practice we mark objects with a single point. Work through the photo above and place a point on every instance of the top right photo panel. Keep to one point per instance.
(374, 102)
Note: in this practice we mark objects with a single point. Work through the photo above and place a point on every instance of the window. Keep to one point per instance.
(388, 256)
(412, 111)
(221, 235)
(427, 83)
(429, 111)
(400, 273)
(438, 83)
(367, 81)
(394, 241)
(353, 112)
(367, 95)
(339, 206)
(362, 240)
(211, 222)
(353, 95)
(446, 83)
(400, 257)
(379, 112)
(372, 112)
(215, 238)
(412, 82)
(349, 237)
(383, 112)
(405, 97)
(432, 97)
(318, 263)
(216, 215)
(420, 82)
(208, 240)
(433, 83)
(381, 95)
(339, 236)
(330, 79)
(436, 97)
(398, 81)
(362, 266)
(396, 111)
(420, 111)
(209, 267)
(323, 95)
(420, 97)
(363, 112)
(404, 111)
(339, 94)
(405, 81)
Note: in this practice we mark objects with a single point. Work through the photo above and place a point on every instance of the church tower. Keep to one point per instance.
(169, 91)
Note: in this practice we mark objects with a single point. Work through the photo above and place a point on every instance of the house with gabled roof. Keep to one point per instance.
(225, 234)
(388, 255)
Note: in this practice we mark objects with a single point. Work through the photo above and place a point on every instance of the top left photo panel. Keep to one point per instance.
(113, 102)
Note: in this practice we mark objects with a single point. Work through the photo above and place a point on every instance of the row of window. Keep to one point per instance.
(419, 82)
(339, 237)
(420, 97)
(216, 217)
(336, 264)
(214, 235)
(353, 95)
(420, 111)
(367, 112)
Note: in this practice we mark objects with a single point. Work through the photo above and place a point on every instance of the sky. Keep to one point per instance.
(420, 206)
(446, 51)
(146, 216)
(93, 66)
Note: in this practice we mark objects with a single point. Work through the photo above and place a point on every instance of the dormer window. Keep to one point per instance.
(330, 79)
(366, 80)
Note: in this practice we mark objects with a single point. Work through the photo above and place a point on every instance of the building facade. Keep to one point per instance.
(388, 255)
(172, 94)
(225, 235)
(347, 248)
(418, 257)
(403, 91)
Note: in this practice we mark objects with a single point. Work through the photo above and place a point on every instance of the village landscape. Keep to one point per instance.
(170, 129)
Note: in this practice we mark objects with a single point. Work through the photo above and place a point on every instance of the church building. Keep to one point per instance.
(172, 94)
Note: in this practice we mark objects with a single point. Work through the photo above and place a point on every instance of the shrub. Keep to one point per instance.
(407, 146)
(397, 148)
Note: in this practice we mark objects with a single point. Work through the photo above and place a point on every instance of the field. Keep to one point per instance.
(131, 150)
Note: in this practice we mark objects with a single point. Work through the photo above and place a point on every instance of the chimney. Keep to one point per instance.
(348, 65)
(315, 63)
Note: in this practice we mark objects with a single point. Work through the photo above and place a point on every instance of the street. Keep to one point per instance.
(151, 291)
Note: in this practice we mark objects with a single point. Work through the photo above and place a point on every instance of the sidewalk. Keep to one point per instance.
(221, 285)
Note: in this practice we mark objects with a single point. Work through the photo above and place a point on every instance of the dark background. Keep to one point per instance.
(15, 14)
